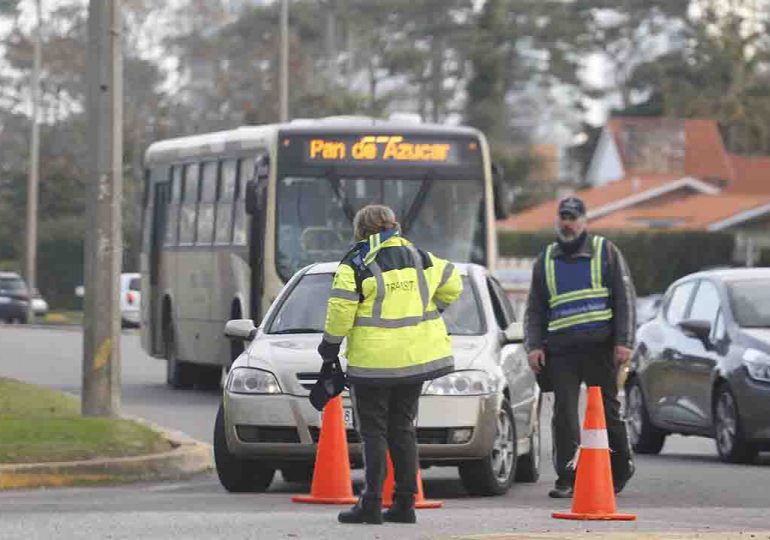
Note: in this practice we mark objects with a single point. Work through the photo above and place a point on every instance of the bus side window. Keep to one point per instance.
(206, 206)
(245, 173)
(172, 216)
(224, 225)
(189, 205)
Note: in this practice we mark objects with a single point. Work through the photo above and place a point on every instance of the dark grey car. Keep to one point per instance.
(701, 366)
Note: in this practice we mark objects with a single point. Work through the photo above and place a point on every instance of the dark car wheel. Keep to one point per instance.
(494, 474)
(235, 474)
(731, 441)
(644, 437)
(300, 473)
(528, 466)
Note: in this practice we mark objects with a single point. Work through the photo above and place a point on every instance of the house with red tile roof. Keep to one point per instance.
(668, 173)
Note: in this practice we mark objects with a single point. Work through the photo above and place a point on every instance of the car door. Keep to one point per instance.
(702, 356)
(661, 384)
(513, 359)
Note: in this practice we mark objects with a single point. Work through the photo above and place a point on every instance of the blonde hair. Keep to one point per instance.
(373, 219)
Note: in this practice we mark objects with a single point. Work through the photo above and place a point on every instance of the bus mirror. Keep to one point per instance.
(500, 191)
(251, 197)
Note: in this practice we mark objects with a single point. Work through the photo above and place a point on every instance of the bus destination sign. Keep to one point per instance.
(380, 149)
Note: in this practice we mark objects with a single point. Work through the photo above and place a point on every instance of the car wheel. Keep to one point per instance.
(494, 474)
(178, 374)
(300, 473)
(644, 437)
(528, 466)
(235, 474)
(731, 442)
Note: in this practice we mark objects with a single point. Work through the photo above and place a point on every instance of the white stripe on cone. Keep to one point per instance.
(594, 439)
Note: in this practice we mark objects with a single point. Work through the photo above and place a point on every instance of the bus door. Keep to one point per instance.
(152, 302)
(256, 207)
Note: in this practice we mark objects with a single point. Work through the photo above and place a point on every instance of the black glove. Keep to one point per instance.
(329, 351)
(331, 382)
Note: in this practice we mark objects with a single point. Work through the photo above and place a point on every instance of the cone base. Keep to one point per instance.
(594, 517)
(425, 504)
(310, 499)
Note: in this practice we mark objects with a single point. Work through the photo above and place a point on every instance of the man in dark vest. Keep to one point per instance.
(579, 327)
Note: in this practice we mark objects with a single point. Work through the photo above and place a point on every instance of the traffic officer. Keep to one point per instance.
(387, 298)
(579, 327)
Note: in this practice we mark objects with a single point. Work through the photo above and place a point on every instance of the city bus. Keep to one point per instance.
(230, 216)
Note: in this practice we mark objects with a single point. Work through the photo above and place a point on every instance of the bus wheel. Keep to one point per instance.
(178, 374)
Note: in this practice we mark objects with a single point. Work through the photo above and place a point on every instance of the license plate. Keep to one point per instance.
(347, 414)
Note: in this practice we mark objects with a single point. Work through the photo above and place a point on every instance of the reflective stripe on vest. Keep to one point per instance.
(575, 306)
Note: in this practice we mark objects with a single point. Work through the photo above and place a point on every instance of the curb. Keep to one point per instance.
(188, 457)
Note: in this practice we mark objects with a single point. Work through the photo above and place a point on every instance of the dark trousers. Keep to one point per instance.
(594, 365)
(385, 417)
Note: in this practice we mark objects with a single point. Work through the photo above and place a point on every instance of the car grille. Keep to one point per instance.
(424, 435)
(352, 435)
(267, 434)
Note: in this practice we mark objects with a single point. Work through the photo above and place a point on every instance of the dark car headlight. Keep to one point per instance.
(252, 381)
(758, 364)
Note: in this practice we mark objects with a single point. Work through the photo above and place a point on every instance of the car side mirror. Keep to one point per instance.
(697, 328)
(514, 333)
(260, 176)
(243, 329)
(500, 191)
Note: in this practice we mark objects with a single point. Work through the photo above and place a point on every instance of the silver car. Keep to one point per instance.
(483, 418)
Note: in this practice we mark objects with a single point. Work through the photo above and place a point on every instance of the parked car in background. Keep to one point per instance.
(483, 418)
(647, 307)
(130, 298)
(702, 365)
(14, 298)
(39, 305)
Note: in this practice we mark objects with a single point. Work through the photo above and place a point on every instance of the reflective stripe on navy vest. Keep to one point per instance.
(577, 297)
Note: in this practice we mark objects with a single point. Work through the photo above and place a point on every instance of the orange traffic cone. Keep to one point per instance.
(594, 497)
(390, 485)
(331, 474)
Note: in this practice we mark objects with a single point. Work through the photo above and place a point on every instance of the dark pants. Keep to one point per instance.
(385, 417)
(594, 365)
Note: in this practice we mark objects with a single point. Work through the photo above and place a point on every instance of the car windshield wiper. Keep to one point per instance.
(419, 201)
(298, 331)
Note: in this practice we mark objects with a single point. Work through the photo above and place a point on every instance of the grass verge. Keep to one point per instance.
(38, 424)
(74, 318)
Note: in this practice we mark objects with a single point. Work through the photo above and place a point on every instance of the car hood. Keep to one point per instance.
(295, 361)
(758, 334)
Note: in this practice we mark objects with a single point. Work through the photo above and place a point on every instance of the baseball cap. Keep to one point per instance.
(572, 206)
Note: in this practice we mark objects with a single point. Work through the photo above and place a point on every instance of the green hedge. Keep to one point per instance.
(656, 259)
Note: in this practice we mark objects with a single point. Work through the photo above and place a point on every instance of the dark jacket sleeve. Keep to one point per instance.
(536, 314)
(622, 297)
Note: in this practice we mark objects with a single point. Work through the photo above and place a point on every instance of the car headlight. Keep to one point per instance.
(758, 364)
(462, 383)
(252, 381)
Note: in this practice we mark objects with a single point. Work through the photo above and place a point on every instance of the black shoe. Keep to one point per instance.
(561, 492)
(621, 482)
(401, 511)
(365, 511)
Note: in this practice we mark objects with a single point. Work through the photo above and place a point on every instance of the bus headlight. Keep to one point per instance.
(758, 364)
(462, 383)
(252, 381)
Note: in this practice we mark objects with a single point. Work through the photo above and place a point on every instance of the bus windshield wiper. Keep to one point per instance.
(419, 201)
(298, 331)
(334, 180)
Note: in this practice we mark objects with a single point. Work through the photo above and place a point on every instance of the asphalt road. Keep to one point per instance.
(684, 489)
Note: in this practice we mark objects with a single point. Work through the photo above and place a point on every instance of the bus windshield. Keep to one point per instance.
(445, 216)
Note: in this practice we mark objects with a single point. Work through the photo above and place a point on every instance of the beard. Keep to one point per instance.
(566, 235)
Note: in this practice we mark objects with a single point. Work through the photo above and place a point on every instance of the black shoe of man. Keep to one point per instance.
(365, 511)
(561, 492)
(620, 483)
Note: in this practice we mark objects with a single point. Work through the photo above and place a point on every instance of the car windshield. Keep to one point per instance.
(315, 214)
(304, 309)
(750, 301)
(11, 284)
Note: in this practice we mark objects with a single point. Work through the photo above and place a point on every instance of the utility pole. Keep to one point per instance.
(33, 179)
(104, 246)
(284, 61)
